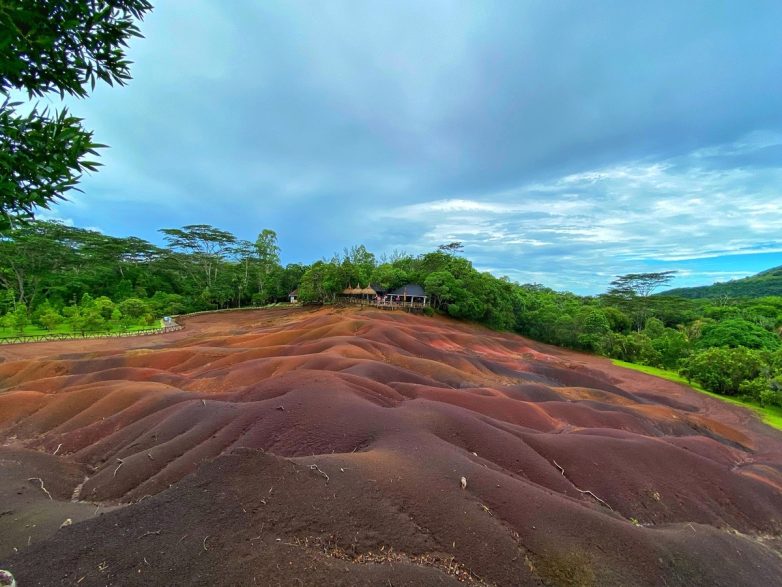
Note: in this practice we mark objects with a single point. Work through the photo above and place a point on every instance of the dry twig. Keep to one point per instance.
(42, 487)
(316, 468)
(583, 491)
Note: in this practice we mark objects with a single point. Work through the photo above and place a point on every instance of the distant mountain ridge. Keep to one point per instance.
(765, 283)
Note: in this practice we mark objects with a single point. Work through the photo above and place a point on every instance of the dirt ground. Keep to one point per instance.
(361, 447)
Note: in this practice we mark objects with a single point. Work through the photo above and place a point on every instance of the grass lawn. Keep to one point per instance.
(771, 415)
(32, 330)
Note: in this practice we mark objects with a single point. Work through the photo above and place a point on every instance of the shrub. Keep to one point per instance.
(738, 333)
(754, 388)
(769, 397)
(133, 307)
(722, 370)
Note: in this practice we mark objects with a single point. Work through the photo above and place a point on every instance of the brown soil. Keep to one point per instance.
(314, 447)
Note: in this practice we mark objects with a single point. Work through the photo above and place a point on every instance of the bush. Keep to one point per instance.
(19, 318)
(769, 397)
(104, 306)
(754, 388)
(133, 307)
(723, 370)
(738, 333)
(50, 318)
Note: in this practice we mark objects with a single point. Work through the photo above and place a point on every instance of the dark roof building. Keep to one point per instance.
(411, 290)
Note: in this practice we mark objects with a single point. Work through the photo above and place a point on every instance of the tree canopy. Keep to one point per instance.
(63, 47)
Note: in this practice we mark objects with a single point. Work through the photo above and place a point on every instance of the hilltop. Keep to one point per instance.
(765, 283)
(336, 446)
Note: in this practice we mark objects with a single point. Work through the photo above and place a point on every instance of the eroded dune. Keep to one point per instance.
(327, 447)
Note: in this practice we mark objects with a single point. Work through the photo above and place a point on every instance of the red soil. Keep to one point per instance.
(327, 447)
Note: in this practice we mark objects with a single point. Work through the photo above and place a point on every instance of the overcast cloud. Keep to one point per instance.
(564, 143)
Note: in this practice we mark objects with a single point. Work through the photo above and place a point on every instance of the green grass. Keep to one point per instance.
(771, 415)
(32, 330)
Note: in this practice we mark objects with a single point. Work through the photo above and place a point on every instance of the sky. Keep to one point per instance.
(563, 143)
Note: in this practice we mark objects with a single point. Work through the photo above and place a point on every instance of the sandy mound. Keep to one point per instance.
(327, 447)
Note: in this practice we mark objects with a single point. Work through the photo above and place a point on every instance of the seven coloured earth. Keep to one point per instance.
(329, 446)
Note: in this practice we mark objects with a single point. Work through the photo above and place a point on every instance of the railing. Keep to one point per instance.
(383, 304)
(22, 338)
(173, 327)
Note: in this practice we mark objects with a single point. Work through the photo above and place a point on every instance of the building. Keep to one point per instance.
(410, 294)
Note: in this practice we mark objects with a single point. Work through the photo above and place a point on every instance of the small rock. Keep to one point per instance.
(463, 482)
(7, 579)
(67, 522)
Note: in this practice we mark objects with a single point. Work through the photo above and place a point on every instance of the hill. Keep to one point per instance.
(362, 447)
(765, 283)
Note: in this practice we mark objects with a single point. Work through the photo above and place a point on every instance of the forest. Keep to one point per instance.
(59, 278)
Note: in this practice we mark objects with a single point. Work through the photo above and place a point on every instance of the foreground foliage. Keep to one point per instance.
(61, 47)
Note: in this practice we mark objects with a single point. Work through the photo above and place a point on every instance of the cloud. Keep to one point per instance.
(566, 139)
(613, 220)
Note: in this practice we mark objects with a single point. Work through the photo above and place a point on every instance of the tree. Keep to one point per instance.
(723, 370)
(594, 325)
(244, 253)
(104, 306)
(736, 332)
(20, 318)
(31, 257)
(631, 294)
(640, 284)
(62, 47)
(442, 288)
(49, 318)
(358, 264)
(268, 260)
(205, 245)
(451, 248)
(321, 282)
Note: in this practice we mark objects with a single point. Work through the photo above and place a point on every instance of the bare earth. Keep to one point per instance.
(327, 447)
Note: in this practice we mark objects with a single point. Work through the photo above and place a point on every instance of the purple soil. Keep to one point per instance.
(327, 447)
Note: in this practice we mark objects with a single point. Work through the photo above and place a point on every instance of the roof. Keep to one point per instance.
(295, 292)
(411, 289)
(369, 291)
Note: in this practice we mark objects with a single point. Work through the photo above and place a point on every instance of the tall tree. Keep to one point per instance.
(640, 284)
(268, 260)
(32, 258)
(206, 245)
(54, 46)
(631, 293)
(452, 247)
(245, 253)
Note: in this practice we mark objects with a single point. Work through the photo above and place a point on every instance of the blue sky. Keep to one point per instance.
(564, 143)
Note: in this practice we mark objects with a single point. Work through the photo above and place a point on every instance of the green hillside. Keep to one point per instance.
(766, 283)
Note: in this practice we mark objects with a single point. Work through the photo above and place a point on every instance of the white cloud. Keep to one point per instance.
(584, 228)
